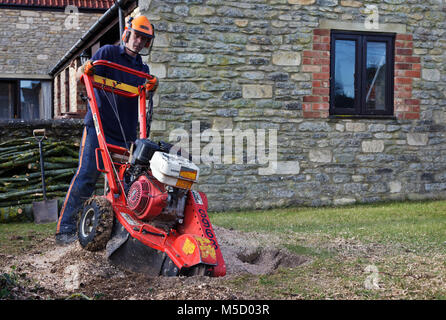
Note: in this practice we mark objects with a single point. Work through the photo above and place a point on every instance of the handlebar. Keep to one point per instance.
(115, 87)
(122, 68)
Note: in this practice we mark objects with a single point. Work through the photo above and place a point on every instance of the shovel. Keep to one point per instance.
(44, 211)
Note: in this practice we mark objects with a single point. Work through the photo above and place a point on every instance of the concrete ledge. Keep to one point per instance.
(360, 26)
(47, 123)
(24, 76)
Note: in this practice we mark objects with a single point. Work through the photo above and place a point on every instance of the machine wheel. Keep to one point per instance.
(197, 270)
(95, 224)
(169, 269)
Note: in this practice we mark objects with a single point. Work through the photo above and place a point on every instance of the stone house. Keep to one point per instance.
(302, 102)
(33, 34)
(354, 90)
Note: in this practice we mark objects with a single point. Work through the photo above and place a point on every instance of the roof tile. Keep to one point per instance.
(84, 4)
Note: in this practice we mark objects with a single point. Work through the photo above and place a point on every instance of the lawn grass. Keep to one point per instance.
(17, 237)
(404, 241)
(419, 225)
(401, 245)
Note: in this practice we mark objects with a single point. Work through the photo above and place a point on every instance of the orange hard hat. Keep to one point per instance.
(140, 25)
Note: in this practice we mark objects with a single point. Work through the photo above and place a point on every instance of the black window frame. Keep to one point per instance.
(361, 38)
(16, 96)
(17, 99)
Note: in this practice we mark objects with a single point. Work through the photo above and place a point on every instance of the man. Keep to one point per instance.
(119, 116)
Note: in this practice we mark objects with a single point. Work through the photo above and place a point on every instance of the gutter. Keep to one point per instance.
(103, 21)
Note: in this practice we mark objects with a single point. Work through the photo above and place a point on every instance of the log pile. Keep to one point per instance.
(20, 176)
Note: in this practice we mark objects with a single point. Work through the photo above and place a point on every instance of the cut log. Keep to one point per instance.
(16, 214)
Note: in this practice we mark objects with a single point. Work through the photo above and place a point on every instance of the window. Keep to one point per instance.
(361, 79)
(8, 97)
(25, 99)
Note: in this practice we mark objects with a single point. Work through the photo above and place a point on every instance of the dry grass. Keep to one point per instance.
(385, 251)
(381, 251)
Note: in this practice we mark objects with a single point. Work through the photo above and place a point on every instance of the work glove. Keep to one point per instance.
(88, 68)
(151, 85)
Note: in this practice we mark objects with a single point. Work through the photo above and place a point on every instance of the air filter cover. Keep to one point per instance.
(146, 198)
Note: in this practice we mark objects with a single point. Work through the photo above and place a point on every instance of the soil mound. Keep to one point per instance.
(63, 272)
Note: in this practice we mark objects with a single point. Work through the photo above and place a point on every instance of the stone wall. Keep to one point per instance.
(32, 41)
(62, 130)
(243, 65)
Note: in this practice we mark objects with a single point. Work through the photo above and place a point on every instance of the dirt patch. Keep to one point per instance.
(61, 272)
(254, 253)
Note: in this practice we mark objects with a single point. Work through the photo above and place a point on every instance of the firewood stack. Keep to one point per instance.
(20, 176)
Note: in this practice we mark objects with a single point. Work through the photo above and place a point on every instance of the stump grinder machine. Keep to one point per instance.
(149, 219)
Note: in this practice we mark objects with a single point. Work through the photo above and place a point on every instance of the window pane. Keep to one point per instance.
(376, 76)
(6, 100)
(29, 99)
(46, 100)
(345, 60)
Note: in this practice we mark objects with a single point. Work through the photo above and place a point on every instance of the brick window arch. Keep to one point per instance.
(407, 68)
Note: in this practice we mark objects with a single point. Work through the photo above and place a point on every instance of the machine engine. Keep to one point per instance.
(158, 183)
(146, 197)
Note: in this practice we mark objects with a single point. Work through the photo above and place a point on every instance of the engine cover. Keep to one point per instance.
(146, 198)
